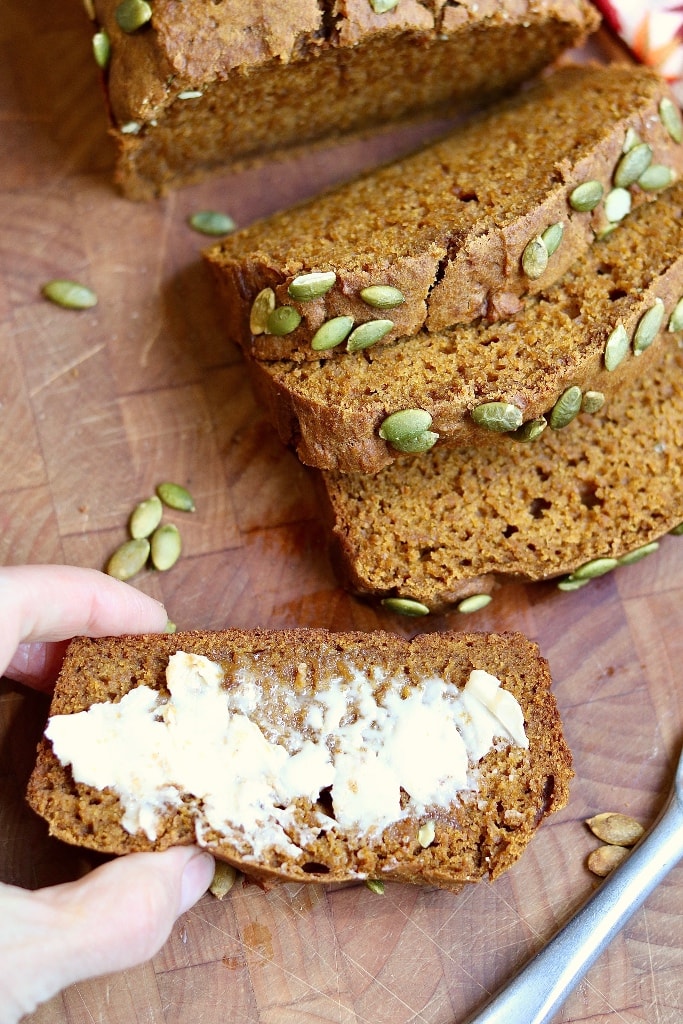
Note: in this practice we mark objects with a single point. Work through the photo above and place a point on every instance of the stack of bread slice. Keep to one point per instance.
(478, 345)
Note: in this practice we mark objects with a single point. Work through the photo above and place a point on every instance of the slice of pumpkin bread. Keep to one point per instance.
(456, 523)
(459, 231)
(305, 755)
(574, 343)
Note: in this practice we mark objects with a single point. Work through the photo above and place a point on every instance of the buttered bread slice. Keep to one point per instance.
(460, 231)
(307, 755)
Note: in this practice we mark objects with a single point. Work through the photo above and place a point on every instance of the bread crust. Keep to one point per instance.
(476, 838)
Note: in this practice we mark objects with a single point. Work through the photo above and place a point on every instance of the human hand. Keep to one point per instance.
(122, 913)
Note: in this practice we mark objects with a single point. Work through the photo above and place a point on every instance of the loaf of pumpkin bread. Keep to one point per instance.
(460, 231)
(307, 755)
(573, 345)
(198, 87)
(570, 506)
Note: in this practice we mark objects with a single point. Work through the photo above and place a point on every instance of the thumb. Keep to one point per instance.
(116, 917)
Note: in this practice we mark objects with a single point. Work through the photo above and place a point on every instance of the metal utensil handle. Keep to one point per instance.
(543, 985)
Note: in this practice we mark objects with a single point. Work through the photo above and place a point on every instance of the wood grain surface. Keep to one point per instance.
(96, 408)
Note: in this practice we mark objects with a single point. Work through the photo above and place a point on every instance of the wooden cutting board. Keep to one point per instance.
(98, 407)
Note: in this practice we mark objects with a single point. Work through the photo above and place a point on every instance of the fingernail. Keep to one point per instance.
(195, 880)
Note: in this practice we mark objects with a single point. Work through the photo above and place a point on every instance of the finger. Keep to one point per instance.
(37, 664)
(116, 917)
(57, 602)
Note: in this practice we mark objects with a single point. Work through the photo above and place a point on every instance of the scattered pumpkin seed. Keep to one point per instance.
(605, 231)
(224, 877)
(535, 258)
(421, 443)
(566, 408)
(133, 14)
(632, 165)
(552, 237)
(568, 584)
(617, 204)
(145, 517)
(367, 334)
(261, 308)
(474, 603)
(170, 627)
(586, 196)
(382, 296)
(615, 828)
(404, 425)
(605, 859)
(635, 556)
(656, 176)
(101, 48)
(375, 885)
(190, 94)
(312, 286)
(382, 6)
(592, 401)
(631, 139)
(128, 559)
(530, 431)
(405, 606)
(212, 222)
(283, 320)
(130, 128)
(616, 347)
(332, 333)
(596, 567)
(176, 496)
(670, 116)
(69, 294)
(676, 318)
(497, 416)
(426, 834)
(648, 327)
(165, 546)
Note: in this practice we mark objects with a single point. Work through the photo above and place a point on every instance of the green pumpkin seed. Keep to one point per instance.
(605, 231)
(531, 430)
(535, 258)
(635, 556)
(375, 885)
(497, 416)
(311, 286)
(670, 116)
(165, 546)
(212, 222)
(101, 48)
(552, 237)
(648, 327)
(367, 334)
(405, 606)
(170, 627)
(676, 531)
(655, 177)
(283, 320)
(596, 567)
(133, 14)
(566, 408)
(176, 496)
(224, 877)
(128, 559)
(474, 603)
(382, 296)
(130, 128)
(382, 6)
(617, 204)
(262, 306)
(405, 424)
(145, 518)
(631, 139)
(676, 318)
(69, 294)
(586, 197)
(616, 347)
(632, 165)
(592, 401)
(332, 333)
(568, 584)
(420, 443)
(190, 94)
(426, 834)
